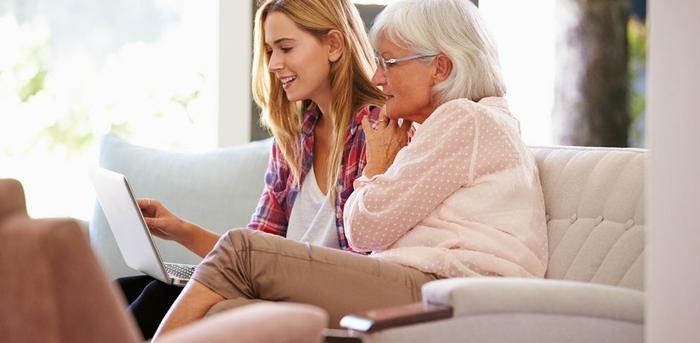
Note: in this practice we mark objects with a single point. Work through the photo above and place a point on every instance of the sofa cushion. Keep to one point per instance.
(217, 189)
(594, 199)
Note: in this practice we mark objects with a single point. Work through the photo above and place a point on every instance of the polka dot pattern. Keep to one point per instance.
(462, 199)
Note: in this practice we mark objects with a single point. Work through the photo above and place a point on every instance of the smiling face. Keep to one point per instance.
(298, 59)
(407, 85)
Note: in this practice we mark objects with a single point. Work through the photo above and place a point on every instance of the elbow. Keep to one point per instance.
(363, 236)
(362, 228)
(356, 237)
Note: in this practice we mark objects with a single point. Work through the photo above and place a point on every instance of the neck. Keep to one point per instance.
(323, 101)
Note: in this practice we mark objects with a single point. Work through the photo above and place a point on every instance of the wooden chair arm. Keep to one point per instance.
(380, 319)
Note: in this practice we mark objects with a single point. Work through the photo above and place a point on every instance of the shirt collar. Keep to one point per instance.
(311, 116)
(371, 111)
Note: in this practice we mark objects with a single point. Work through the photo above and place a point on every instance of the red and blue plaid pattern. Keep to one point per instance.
(275, 205)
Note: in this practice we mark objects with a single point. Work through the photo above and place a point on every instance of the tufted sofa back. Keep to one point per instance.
(594, 200)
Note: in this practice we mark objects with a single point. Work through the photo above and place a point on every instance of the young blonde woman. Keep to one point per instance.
(461, 199)
(311, 76)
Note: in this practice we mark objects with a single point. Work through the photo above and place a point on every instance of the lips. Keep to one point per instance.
(287, 81)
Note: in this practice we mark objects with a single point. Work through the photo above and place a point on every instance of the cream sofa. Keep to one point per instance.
(595, 210)
(593, 291)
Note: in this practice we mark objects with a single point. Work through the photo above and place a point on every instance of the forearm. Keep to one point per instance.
(198, 240)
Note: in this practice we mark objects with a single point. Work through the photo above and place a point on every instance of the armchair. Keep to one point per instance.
(54, 290)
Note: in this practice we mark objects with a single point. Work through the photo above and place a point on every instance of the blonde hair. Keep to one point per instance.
(350, 78)
(451, 27)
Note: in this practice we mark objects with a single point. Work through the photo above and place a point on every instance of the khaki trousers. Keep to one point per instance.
(247, 266)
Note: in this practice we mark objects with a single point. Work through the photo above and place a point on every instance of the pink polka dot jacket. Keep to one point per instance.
(463, 198)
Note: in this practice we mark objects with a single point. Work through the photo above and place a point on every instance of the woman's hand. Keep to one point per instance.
(164, 224)
(384, 141)
(161, 222)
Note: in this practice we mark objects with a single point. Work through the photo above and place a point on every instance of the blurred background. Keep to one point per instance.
(174, 74)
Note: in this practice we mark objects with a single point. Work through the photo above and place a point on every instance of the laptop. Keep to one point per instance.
(130, 231)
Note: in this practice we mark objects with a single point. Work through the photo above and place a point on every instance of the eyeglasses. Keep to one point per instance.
(385, 64)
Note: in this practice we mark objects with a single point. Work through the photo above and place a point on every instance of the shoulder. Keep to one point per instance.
(493, 106)
(277, 160)
(488, 111)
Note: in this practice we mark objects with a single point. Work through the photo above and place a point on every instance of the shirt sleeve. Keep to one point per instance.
(436, 163)
(271, 216)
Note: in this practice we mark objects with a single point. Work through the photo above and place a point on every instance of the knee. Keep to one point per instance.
(159, 289)
(240, 239)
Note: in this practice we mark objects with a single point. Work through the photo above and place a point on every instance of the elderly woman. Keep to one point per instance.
(461, 199)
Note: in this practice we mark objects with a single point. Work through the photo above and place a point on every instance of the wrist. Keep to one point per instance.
(188, 233)
(197, 239)
(372, 169)
(368, 172)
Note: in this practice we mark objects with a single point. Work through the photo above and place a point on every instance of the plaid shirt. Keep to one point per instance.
(275, 205)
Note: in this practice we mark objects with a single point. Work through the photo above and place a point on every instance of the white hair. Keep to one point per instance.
(453, 28)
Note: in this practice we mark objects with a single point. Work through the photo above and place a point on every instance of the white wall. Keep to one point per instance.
(673, 260)
(235, 55)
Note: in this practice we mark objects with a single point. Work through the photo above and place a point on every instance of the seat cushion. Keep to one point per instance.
(217, 189)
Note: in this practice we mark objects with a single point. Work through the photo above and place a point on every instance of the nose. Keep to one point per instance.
(275, 63)
(378, 79)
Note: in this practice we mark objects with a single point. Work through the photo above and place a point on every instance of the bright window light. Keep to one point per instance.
(145, 69)
(525, 35)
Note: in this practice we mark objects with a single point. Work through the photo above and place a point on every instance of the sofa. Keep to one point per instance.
(593, 290)
(55, 290)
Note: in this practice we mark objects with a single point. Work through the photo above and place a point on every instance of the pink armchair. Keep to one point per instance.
(54, 290)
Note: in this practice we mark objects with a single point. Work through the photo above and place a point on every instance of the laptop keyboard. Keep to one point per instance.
(181, 271)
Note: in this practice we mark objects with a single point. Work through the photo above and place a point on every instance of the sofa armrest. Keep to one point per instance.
(474, 296)
(462, 297)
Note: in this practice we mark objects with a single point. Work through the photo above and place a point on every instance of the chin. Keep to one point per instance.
(293, 97)
(392, 114)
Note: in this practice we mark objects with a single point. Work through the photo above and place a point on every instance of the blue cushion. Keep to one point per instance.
(218, 190)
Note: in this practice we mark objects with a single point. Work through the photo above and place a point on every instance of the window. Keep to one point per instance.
(73, 70)
(524, 34)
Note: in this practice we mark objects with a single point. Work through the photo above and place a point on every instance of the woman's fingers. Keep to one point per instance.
(157, 227)
(371, 127)
(148, 207)
(143, 203)
(382, 113)
(366, 126)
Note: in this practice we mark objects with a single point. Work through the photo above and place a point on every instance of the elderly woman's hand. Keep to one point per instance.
(384, 141)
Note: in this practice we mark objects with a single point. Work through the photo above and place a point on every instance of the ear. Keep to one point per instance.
(443, 68)
(336, 45)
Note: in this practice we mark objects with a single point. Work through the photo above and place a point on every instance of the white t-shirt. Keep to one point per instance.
(313, 216)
